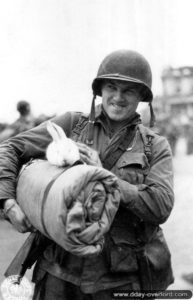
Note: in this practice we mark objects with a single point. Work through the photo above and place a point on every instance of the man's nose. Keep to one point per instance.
(118, 96)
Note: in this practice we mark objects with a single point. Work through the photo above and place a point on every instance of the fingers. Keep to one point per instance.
(89, 155)
(85, 153)
(18, 219)
(27, 225)
(85, 159)
(22, 228)
(23, 225)
(20, 225)
(84, 149)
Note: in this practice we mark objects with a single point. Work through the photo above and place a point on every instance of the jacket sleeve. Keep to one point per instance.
(152, 201)
(18, 150)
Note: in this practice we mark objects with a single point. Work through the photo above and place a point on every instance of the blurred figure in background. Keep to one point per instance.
(172, 133)
(166, 125)
(188, 277)
(189, 137)
(169, 127)
(24, 122)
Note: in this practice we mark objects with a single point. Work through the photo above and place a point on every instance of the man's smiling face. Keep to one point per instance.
(120, 99)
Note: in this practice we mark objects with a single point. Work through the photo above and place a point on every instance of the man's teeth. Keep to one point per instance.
(117, 105)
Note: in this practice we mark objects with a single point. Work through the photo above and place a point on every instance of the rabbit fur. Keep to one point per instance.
(62, 151)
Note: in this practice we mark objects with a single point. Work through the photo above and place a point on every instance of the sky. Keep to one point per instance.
(51, 49)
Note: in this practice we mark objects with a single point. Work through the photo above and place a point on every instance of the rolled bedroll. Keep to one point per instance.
(73, 206)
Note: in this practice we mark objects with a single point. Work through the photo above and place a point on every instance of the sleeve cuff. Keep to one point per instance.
(130, 193)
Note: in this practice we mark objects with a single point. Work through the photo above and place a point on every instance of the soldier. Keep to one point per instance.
(135, 255)
(25, 121)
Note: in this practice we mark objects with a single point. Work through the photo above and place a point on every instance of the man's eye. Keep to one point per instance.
(111, 87)
(130, 92)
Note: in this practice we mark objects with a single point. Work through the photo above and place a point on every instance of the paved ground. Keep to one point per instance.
(178, 229)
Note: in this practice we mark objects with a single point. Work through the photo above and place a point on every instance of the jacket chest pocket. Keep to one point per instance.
(133, 167)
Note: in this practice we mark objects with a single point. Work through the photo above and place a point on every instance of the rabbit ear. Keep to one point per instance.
(55, 131)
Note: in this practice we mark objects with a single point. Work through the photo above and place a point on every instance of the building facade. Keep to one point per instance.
(177, 98)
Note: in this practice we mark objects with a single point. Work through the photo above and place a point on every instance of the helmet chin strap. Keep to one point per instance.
(90, 132)
(152, 115)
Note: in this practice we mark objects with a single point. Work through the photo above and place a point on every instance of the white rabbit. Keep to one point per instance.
(62, 151)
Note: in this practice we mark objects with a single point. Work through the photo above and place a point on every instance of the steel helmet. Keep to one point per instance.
(125, 65)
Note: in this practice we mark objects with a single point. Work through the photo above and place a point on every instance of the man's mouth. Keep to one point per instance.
(118, 105)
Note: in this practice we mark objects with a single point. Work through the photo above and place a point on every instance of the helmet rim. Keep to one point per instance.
(96, 84)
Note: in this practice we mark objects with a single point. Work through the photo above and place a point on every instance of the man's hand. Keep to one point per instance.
(16, 216)
(89, 155)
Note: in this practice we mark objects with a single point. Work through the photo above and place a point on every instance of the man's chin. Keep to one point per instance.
(117, 118)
